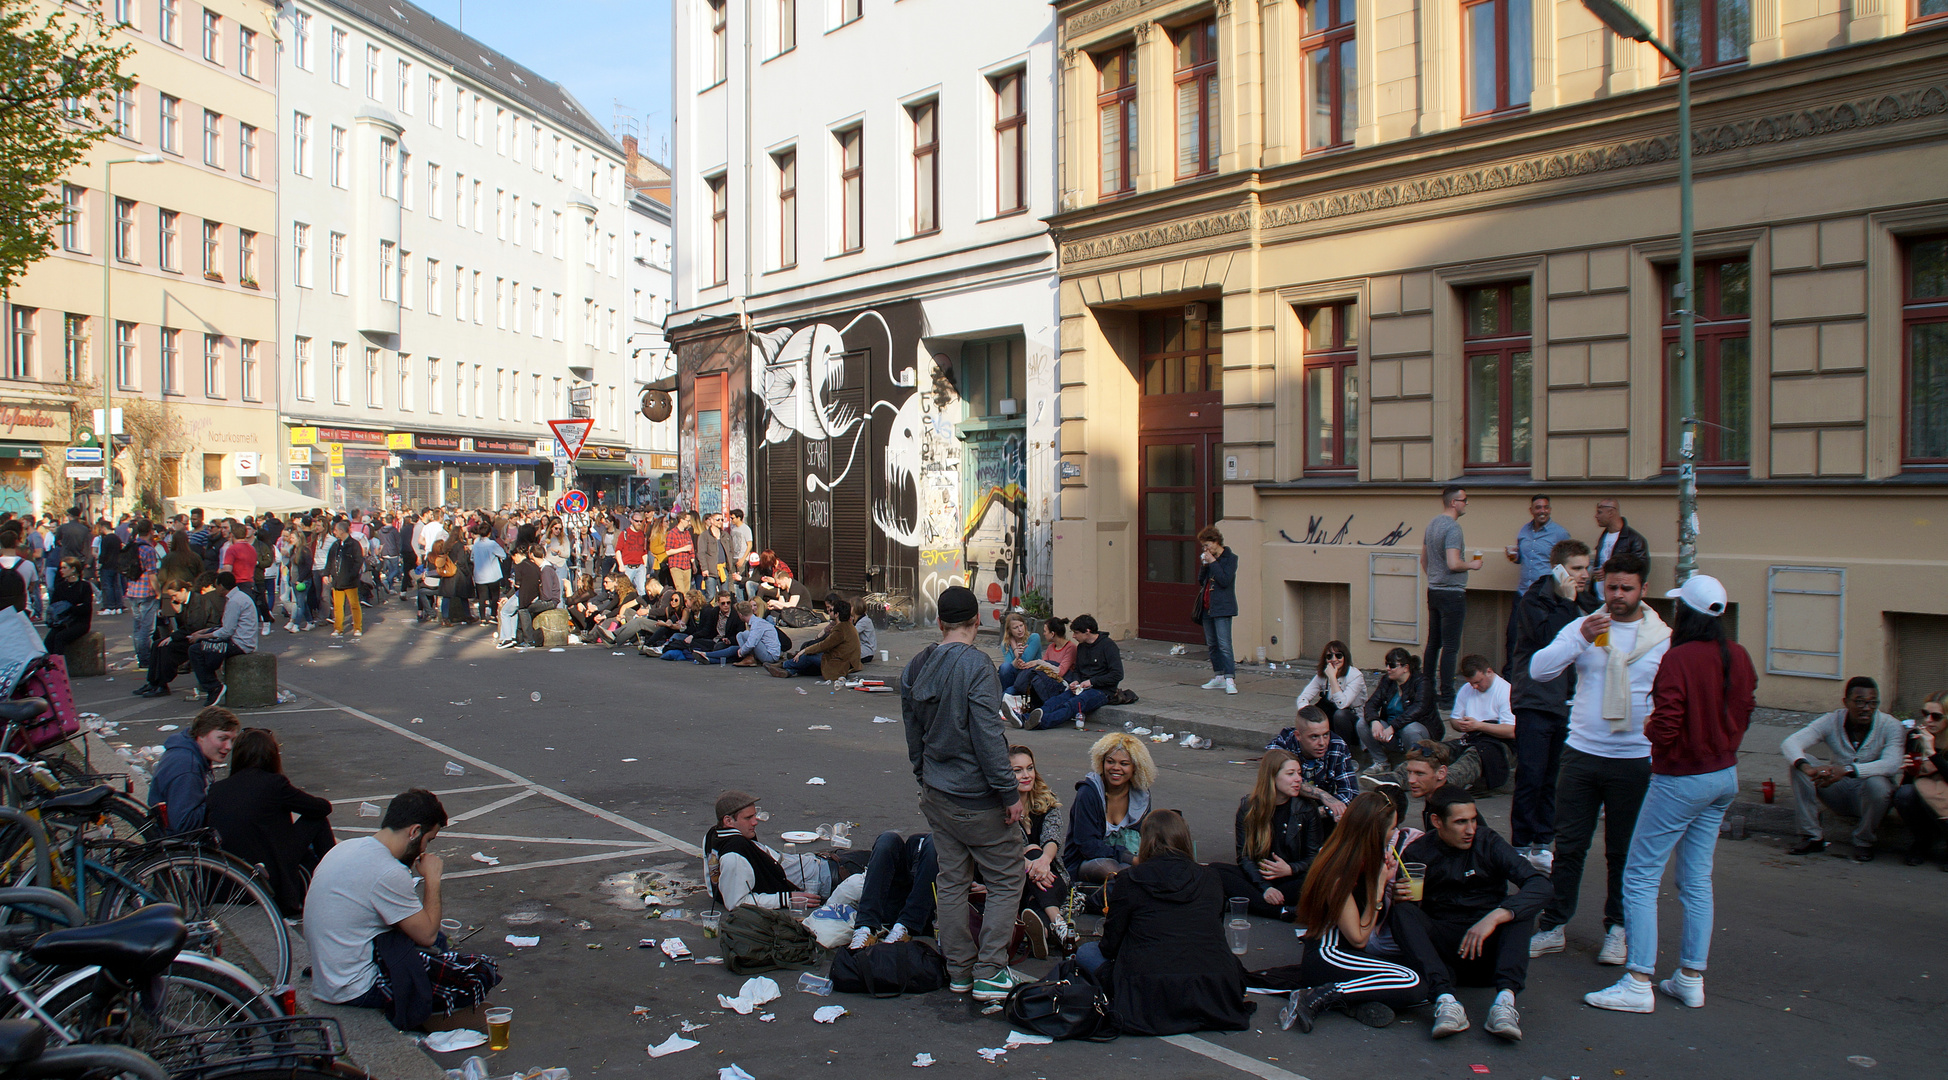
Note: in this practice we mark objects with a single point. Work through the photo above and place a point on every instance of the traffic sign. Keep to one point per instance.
(84, 453)
(86, 472)
(571, 434)
(575, 502)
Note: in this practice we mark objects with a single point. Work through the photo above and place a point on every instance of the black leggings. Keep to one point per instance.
(1237, 884)
(1361, 978)
(489, 595)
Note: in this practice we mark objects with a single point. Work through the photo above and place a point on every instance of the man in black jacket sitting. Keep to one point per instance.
(1465, 928)
(1097, 671)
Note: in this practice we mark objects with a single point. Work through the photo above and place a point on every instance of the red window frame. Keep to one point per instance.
(1165, 369)
(1197, 73)
(1716, 446)
(1116, 91)
(1336, 351)
(1329, 44)
(1916, 15)
(1707, 58)
(1509, 337)
(1010, 144)
(1918, 310)
(1504, 103)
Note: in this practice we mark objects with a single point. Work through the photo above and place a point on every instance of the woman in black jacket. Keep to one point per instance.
(1278, 835)
(70, 589)
(1217, 605)
(252, 809)
(1400, 711)
(1162, 958)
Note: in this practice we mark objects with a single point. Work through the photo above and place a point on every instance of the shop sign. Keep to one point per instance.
(466, 445)
(438, 442)
(304, 436)
(604, 453)
(662, 462)
(399, 441)
(335, 453)
(86, 472)
(300, 474)
(352, 435)
(338, 468)
(300, 455)
(249, 464)
(41, 423)
(503, 446)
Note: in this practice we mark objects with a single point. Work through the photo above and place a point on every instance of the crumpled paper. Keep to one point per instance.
(827, 1014)
(1016, 1038)
(992, 1053)
(755, 991)
(520, 942)
(458, 1039)
(816, 780)
(732, 1072)
(483, 857)
(920, 1061)
(671, 1045)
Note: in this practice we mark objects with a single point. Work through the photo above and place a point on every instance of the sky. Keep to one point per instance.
(603, 51)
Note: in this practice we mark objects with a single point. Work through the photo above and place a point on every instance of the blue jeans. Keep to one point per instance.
(111, 588)
(721, 656)
(1679, 813)
(1091, 958)
(1217, 638)
(899, 883)
(510, 615)
(144, 614)
(1065, 706)
(1009, 673)
(805, 665)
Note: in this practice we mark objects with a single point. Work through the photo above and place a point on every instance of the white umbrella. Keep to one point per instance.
(249, 499)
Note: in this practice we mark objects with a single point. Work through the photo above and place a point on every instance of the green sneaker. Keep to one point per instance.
(997, 986)
(960, 984)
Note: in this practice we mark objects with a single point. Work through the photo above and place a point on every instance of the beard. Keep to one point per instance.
(414, 848)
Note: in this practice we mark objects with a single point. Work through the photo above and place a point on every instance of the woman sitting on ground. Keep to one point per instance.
(1163, 959)
(253, 811)
(1045, 891)
(1278, 835)
(627, 604)
(834, 655)
(1339, 689)
(67, 625)
(670, 623)
(1110, 804)
(1035, 683)
(653, 604)
(1400, 711)
(1018, 646)
(1342, 904)
(700, 623)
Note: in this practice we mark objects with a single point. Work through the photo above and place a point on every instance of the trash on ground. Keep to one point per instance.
(992, 1053)
(689, 1026)
(522, 918)
(1139, 731)
(991, 1009)
(767, 1018)
(285, 697)
(642, 1010)
(557, 649)
(1193, 741)
(675, 949)
(816, 781)
(418, 720)
(801, 690)
(597, 945)
(1017, 1038)
(520, 942)
(755, 991)
(827, 1014)
(809, 983)
(921, 1061)
(732, 1072)
(366, 809)
(454, 768)
(167, 727)
(458, 1039)
(819, 727)
(1862, 1061)
(536, 696)
(628, 759)
(483, 857)
(671, 1045)
(716, 960)
(1160, 737)
(884, 720)
(584, 924)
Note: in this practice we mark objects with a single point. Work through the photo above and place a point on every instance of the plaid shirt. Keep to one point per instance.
(144, 587)
(1336, 772)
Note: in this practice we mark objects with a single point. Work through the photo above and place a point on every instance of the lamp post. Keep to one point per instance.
(104, 436)
(1625, 24)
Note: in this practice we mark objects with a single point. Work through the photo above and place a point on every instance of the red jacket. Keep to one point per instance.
(1692, 728)
(631, 546)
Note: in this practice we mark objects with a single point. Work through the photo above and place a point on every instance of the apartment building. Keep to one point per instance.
(452, 238)
(865, 295)
(1331, 255)
(183, 331)
(652, 366)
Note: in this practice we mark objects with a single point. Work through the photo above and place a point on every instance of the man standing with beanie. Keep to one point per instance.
(950, 701)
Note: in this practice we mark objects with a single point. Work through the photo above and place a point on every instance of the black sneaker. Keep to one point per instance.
(1862, 854)
(1807, 847)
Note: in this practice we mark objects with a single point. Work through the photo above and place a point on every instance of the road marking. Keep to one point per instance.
(490, 807)
(1225, 1056)
(510, 839)
(446, 791)
(599, 856)
(566, 800)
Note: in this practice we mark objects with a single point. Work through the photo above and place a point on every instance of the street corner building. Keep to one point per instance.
(865, 322)
(1318, 259)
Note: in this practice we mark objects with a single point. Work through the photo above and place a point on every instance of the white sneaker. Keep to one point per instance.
(1230, 686)
(1543, 942)
(861, 937)
(1542, 858)
(896, 934)
(1616, 948)
(1449, 1017)
(1216, 683)
(1629, 994)
(1686, 988)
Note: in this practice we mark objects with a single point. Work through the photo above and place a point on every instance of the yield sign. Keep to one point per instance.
(571, 434)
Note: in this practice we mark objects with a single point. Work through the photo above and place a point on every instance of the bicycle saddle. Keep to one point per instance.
(134, 948)
(21, 1041)
(83, 802)
(21, 710)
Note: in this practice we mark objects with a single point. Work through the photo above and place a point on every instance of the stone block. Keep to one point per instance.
(88, 655)
(1827, 294)
(250, 681)
(1386, 379)
(1569, 365)
(1609, 362)
(1842, 242)
(1417, 461)
(1609, 270)
(1385, 293)
(1843, 452)
(1568, 457)
(1417, 376)
(1386, 461)
(1408, 334)
(1795, 349)
(1795, 247)
(1416, 292)
(1402, 420)
(1589, 410)
(553, 626)
(1843, 346)
(1794, 452)
(1589, 316)
(1609, 457)
(1834, 399)
(1569, 273)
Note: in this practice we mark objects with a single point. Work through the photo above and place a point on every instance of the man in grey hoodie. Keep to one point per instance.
(950, 700)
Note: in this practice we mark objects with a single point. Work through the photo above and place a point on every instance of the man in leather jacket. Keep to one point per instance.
(1542, 708)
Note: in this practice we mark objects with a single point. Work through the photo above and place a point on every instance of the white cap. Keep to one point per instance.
(1701, 592)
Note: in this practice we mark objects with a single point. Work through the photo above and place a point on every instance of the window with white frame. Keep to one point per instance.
(375, 389)
(719, 41)
(460, 292)
(500, 131)
(514, 306)
(459, 389)
(301, 359)
(500, 213)
(479, 220)
(246, 258)
(169, 15)
(212, 36)
(405, 368)
(74, 347)
(125, 234)
(388, 165)
(336, 259)
(212, 139)
(404, 86)
(74, 222)
(247, 52)
(479, 318)
(787, 25)
(406, 280)
(213, 382)
(172, 361)
(500, 303)
(212, 251)
(341, 374)
(301, 40)
(535, 321)
(432, 286)
(500, 393)
(514, 218)
(337, 152)
(341, 64)
(125, 114)
(558, 237)
(167, 252)
(172, 120)
(388, 270)
(559, 329)
(301, 144)
(247, 150)
(435, 399)
(372, 73)
(250, 372)
(435, 100)
(534, 219)
(126, 366)
(20, 344)
(405, 180)
(301, 254)
(434, 209)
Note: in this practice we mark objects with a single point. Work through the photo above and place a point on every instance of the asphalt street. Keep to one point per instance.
(576, 767)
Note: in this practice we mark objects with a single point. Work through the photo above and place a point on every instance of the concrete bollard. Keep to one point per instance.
(553, 626)
(251, 679)
(88, 655)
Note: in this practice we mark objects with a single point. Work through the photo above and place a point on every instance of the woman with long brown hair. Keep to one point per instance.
(1342, 904)
(1278, 835)
(1046, 887)
(1339, 688)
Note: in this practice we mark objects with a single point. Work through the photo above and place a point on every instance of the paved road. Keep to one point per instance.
(613, 770)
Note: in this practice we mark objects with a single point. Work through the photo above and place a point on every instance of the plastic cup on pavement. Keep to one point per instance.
(500, 1026)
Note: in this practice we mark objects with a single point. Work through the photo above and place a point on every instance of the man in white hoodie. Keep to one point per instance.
(1606, 762)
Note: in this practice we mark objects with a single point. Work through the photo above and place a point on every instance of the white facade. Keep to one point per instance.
(873, 187)
(646, 284)
(453, 255)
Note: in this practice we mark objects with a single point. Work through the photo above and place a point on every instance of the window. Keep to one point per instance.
(787, 164)
(405, 383)
(850, 11)
(460, 293)
(514, 218)
(168, 26)
(341, 72)
(1116, 110)
(852, 189)
(252, 374)
(404, 87)
(433, 207)
(719, 228)
(1928, 9)
(212, 139)
(247, 52)
(337, 156)
(212, 36)
(388, 163)
(246, 257)
(1179, 355)
(1010, 145)
(301, 143)
(435, 400)
(559, 329)
(388, 270)
(125, 366)
(500, 303)
(336, 259)
(20, 343)
(500, 131)
(171, 124)
(213, 366)
(1500, 372)
(74, 347)
(1713, 33)
(1924, 338)
(1722, 391)
(474, 300)
(341, 375)
(534, 219)
(74, 223)
(500, 214)
(124, 13)
(1331, 74)
(557, 171)
(460, 397)
(500, 393)
(926, 167)
(1331, 387)
(307, 388)
(212, 250)
(166, 249)
(787, 25)
(125, 114)
(406, 280)
(993, 378)
(247, 150)
(301, 39)
(372, 73)
(432, 286)
(514, 306)
(479, 131)
(172, 361)
(1497, 69)
(301, 254)
(1197, 99)
(125, 230)
(375, 390)
(479, 222)
(534, 146)
(435, 105)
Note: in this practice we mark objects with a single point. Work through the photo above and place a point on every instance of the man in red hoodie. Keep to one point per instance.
(1701, 704)
(632, 546)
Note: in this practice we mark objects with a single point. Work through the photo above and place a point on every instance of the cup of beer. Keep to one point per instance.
(1416, 879)
(500, 1024)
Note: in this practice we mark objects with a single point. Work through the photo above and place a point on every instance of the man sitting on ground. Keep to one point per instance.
(1327, 772)
(756, 644)
(744, 871)
(1486, 721)
(236, 635)
(1098, 670)
(832, 655)
(181, 781)
(1467, 930)
(1866, 747)
(375, 942)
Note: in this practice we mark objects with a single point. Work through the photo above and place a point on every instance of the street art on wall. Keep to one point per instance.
(17, 492)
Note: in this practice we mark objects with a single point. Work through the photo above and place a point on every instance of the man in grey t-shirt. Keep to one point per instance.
(1443, 557)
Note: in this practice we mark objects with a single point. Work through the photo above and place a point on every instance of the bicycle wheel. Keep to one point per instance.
(90, 1062)
(230, 912)
(323, 1070)
(194, 996)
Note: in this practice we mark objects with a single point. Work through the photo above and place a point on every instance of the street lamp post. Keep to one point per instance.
(1625, 24)
(104, 436)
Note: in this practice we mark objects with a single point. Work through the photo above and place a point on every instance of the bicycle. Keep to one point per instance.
(285, 1048)
(25, 1055)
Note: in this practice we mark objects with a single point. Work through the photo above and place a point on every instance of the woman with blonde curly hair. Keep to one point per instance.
(1110, 804)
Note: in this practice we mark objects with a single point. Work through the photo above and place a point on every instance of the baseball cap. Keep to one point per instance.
(1702, 593)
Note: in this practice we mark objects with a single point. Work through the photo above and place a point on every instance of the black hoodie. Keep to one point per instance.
(1172, 971)
(1540, 615)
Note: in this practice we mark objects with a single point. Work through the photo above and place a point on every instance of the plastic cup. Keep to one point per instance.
(449, 927)
(1416, 879)
(1240, 909)
(809, 983)
(500, 1024)
(1238, 937)
(709, 921)
(800, 907)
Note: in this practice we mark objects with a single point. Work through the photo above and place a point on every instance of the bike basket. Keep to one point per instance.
(292, 1040)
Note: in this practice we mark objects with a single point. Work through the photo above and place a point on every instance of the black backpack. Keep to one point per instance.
(1066, 1005)
(759, 939)
(889, 969)
(129, 563)
(13, 584)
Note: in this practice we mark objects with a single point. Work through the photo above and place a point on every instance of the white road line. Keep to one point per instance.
(510, 839)
(1223, 1055)
(490, 807)
(599, 856)
(566, 800)
(187, 719)
(445, 791)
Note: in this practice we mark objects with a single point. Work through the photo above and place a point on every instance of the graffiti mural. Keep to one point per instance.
(17, 492)
(1041, 462)
(991, 537)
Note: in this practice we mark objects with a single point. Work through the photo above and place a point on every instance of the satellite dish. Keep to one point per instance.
(656, 405)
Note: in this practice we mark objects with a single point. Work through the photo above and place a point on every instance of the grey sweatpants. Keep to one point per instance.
(1864, 797)
(964, 840)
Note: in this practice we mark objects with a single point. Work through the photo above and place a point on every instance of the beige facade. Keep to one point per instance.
(1819, 191)
(190, 350)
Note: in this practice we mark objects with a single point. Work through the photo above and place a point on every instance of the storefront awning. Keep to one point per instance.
(503, 461)
(605, 468)
(22, 450)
